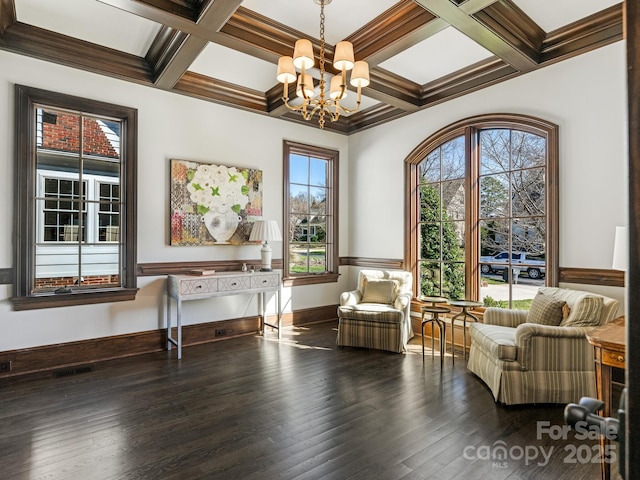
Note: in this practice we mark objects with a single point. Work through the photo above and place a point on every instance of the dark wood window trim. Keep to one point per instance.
(25, 173)
(469, 127)
(333, 261)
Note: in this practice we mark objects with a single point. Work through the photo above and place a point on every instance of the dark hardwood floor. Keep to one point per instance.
(258, 408)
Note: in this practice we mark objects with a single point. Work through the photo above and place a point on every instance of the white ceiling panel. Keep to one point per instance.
(342, 17)
(91, 21)
(232, 66)
(441, 54)
(551, 15)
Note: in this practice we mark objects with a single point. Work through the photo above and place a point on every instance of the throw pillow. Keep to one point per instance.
(546, 310)
(585, 314)
(379, 291)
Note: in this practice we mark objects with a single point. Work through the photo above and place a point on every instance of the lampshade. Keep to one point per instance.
(307, 79)
(360, 74)
(620, 249)
(265, 230)
(343, 56)
(303, 54)
(286, 70)
(335, 91)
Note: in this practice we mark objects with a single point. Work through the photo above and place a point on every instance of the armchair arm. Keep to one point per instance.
(504, 317)
(546, 347)
(350, 298)
(403, 301)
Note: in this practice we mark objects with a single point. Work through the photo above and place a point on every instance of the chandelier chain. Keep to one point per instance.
(322, 46)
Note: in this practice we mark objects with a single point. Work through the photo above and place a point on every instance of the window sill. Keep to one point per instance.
(81, 297)
(310, 279)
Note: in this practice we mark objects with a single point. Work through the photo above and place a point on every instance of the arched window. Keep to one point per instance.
(482, 203)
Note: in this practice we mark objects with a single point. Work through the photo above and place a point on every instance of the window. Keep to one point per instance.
(478, 190)
(310, 214)
(75, 216)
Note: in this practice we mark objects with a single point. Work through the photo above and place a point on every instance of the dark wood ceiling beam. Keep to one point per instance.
(260, 36)
(164, 47)
(53, 47)
(595, 31)
(481, 34)
(475, 77)
(393, 90)
(402, 26)
(513, 25)
(372, 116)
(165, 12)
(213, 16)
(7, 15)
(202, 87)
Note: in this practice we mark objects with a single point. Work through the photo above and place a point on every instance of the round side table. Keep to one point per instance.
(433, 300)
(465, 305)
(435, 319)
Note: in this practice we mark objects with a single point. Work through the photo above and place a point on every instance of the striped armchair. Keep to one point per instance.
(377, 314)
(542, 362)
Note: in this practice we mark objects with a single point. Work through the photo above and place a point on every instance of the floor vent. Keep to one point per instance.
(73, 371)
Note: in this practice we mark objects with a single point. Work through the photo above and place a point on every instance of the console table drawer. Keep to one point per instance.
(613, 359)
(198, 286)
(230, 284)
(262, 281)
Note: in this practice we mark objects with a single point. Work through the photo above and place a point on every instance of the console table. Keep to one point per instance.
(194, 287)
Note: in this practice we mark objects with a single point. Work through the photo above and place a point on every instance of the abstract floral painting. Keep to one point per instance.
(213, 204)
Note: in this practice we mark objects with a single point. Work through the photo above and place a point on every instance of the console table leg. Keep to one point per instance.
(279, 302)
(263, 318)
(179, 324)
(168, 322)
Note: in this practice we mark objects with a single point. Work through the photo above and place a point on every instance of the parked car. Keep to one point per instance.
(496, 264)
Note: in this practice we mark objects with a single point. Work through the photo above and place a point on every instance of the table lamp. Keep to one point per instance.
(265, 230)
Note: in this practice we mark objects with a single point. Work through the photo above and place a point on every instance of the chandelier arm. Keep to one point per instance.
(293, 108)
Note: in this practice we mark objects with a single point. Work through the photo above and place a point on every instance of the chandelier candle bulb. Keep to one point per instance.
(338, 89)
(305, 86)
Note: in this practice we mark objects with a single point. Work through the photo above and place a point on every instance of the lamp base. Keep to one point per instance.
(265, 254)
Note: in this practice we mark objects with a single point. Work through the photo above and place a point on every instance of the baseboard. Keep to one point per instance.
(51, 358)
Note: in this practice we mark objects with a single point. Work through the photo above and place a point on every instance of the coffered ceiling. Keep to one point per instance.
(420, 52)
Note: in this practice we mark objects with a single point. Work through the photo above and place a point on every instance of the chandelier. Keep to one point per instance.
(303, 60)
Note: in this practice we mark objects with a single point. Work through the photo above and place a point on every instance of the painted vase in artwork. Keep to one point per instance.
(221, 226)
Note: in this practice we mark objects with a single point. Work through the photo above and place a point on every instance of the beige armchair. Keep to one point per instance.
(541, 355)
(377, 314)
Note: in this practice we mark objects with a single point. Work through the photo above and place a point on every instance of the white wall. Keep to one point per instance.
(169, 126)
(585, 96)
